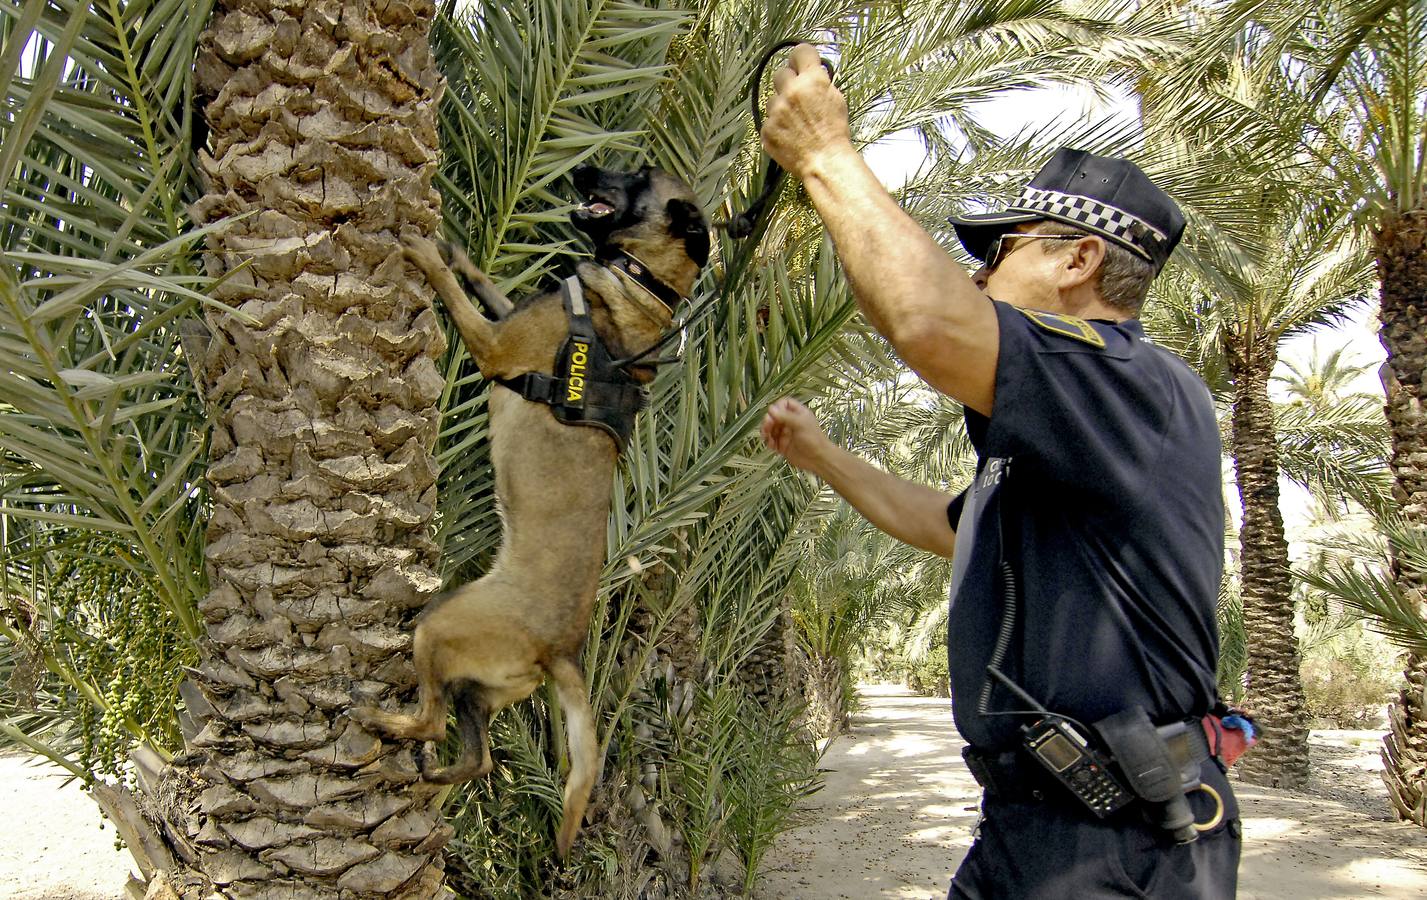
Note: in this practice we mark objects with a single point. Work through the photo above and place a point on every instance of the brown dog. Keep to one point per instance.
(491, 643)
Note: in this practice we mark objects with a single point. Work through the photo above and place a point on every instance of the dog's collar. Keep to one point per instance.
(638, 272)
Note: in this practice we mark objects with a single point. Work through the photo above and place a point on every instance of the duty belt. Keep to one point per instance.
(1011, 777)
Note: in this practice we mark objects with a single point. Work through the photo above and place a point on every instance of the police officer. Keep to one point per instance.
(1088, 550)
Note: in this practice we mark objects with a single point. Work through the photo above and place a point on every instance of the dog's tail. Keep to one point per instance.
(580, 732)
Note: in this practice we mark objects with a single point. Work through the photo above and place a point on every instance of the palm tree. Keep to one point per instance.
(1351, 103)
(322, 390)
(100, 433)
(1333, 441)
(319, 381)
(1243, 294)
(1320, 381)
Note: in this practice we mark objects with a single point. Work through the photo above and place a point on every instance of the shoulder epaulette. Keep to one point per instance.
(1065, 326)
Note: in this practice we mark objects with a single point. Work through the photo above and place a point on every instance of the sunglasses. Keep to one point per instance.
(1000, 247)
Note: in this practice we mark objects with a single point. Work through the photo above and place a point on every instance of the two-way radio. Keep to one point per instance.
(1062, 750)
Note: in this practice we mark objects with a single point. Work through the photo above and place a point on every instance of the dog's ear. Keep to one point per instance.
(687, 221)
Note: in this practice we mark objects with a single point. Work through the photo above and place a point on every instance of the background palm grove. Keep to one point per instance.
(238, 450)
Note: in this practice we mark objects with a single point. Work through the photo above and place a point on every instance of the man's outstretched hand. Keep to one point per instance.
(792, 431)
(807, 117)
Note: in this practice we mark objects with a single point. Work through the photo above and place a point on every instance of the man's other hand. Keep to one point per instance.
(807, 116)
(792, 431)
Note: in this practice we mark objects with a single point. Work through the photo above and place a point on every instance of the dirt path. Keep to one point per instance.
(896, 814)
(51, 844)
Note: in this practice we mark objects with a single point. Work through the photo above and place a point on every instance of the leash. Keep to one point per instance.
(746, 222)
(741, 226)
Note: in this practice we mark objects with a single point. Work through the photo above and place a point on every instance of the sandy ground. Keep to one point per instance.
(896, 814)
(893, 821)
(54, 845)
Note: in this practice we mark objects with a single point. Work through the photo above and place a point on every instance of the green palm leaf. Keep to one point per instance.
(1336, 450)
(1364, 582)
(101, 432)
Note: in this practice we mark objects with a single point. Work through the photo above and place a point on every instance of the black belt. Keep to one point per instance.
(1013, 777)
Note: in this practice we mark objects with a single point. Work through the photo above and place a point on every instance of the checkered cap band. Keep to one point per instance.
(1094, 215)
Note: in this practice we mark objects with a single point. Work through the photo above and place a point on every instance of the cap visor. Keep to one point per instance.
(976, 231)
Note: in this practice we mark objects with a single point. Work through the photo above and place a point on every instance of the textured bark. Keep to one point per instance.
(673, 673)
(323, 400)
(827, 714)
(1402, 266)
(770, 673)
(1275, 690)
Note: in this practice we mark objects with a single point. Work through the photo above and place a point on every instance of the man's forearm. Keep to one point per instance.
(898, 272)
(907, 287)
(912, 513)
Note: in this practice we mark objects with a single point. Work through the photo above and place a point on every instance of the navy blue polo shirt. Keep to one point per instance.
(1102, 457)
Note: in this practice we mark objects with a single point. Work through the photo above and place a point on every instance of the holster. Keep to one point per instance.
(1162, 764)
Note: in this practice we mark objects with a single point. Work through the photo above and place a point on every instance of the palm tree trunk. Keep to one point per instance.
(827, 713)
(323, 402)
(1402, 266)
(1274, 690)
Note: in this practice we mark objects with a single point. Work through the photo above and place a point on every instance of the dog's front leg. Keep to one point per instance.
(496, 303)
(476, 330)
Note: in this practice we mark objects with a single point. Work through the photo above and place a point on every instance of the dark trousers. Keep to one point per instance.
(1054, 850)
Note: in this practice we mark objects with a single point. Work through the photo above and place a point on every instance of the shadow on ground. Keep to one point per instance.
(895, 819)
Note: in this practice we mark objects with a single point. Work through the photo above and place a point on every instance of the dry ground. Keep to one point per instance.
(892, 822)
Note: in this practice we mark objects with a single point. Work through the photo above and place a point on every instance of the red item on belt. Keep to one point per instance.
(1230, 735)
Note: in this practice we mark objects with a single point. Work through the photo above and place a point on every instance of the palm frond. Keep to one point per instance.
(1336, 451)
(1366, 585)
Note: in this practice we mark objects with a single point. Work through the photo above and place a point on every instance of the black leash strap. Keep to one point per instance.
(642, 357)
(745, 223)
(741, 225)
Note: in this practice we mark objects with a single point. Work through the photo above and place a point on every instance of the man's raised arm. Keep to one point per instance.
(911, 290)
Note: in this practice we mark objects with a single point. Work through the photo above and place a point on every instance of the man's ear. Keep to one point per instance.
(687, 221)
(1084, 261)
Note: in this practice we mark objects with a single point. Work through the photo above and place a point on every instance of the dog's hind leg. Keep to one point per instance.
(580, 733)
(429, 722)
(473, 721)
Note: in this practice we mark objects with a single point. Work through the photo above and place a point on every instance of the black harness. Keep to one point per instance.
(588, 386)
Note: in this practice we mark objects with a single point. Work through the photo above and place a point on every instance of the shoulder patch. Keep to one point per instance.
(1066, 326)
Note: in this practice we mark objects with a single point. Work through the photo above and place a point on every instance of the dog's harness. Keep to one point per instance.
(587, 387)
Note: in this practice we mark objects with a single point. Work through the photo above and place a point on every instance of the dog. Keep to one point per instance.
(491, 643)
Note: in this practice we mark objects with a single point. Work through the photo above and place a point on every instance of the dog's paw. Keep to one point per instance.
(370, 718)
(457, 261)
(420, 251)
(450, 253)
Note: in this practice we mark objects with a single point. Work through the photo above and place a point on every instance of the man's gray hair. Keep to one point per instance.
(1124, 276)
